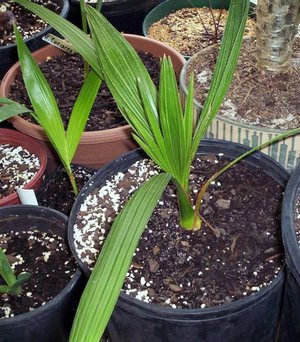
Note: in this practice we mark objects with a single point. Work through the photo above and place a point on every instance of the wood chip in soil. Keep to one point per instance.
(190, 30)
(254, 97)
(237, 252)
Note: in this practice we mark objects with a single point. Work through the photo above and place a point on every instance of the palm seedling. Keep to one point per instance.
(46, 112)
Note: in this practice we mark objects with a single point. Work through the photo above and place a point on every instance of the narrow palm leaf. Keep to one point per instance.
(42, 98)
(226, 64)
(10, 109)
(103, 288)
(121, 68)
(81, 41)
(188, 123)
(171, 119)
(81, 111)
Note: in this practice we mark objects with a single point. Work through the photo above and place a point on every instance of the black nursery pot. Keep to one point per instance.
(253, 318)
(51, 322)
(126, 15)
(291, 308)
(9, 53)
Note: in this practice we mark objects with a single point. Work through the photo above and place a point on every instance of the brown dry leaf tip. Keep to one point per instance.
(234, 251)
(7, 20)
(216, 231)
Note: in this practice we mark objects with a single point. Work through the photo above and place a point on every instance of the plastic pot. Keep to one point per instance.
(291, 309)
(9, 54)
(253, 318)
(126, 15)
(52, 321)
(98, 147)
(286, 152)
(15, 138)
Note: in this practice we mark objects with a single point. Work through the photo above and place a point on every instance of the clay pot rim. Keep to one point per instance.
(88, 137)
(16, 138)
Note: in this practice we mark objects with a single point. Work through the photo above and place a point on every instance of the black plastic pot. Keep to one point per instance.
(9, 54)
(126, 15)
(253, 318)
(291, 309)
(51, 322)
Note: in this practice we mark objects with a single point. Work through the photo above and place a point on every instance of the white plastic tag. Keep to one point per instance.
(27, 196)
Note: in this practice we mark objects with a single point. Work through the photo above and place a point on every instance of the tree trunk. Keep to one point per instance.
(277, 25)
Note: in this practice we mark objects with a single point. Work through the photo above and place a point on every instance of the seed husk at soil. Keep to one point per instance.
(27, 22)
(254, 97)
(18, 167)
(46, 258)
(237, 252)
(65, 76)
(190, 30)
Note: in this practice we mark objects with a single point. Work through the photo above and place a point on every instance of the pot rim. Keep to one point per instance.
(16, 139)
(52, 302)
(290, 241)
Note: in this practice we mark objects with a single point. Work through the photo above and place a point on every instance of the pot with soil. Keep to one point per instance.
(32, 29)
(22, 165)
(33, 239)
(291, 240)
(193, 285)
(189, 26)
(107, 135)
(262, 100)
(126, 15)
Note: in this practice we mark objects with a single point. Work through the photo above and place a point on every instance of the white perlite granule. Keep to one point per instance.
(17, 167)
(89, 232)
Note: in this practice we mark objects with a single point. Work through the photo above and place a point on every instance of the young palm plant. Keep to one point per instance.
(13, 284)
(46, 112)
(162, 128)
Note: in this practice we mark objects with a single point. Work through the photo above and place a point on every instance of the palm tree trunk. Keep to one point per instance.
(277, 25)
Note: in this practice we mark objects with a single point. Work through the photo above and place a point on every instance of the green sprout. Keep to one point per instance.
(45, 109)
(13, 284)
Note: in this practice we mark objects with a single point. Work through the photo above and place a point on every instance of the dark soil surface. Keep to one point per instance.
(65, 76)
(254, 97)
(56, 191)
(28, 23)
(46, 258)
(237, 252)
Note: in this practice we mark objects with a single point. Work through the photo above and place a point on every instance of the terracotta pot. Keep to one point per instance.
(98, 147)
(12, 137)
